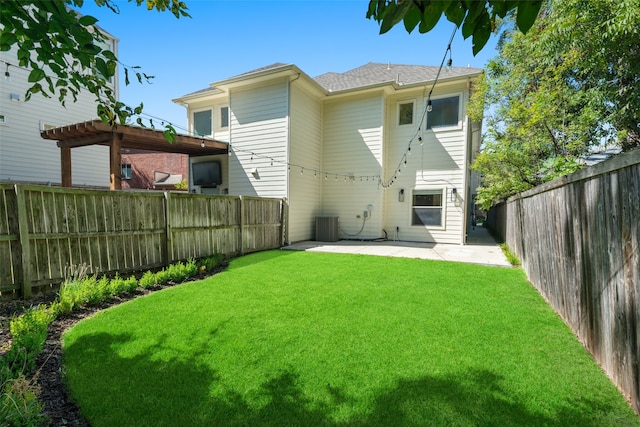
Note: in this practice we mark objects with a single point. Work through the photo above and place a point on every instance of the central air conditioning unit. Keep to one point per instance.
(327, 229)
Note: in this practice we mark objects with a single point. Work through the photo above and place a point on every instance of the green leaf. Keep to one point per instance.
(7, 39)
(482, 33)
(87, 20)
(169, 136)
(455, 13)
(412, 18)
(527, 14)
(101, 66)
(36, 75)
(430, 17)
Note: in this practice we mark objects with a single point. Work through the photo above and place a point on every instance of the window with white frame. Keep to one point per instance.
(224, 117)
(445, 112)
(405, 113)
(427, 208)
(202, 123)
(125, 171)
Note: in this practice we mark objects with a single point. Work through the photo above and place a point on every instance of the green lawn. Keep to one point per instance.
(294, 338)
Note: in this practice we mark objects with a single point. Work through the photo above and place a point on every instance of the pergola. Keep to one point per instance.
(95, 132)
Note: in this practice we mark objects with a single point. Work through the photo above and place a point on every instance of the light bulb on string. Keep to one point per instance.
(315, 173)
(429, 105)
(325, 176)
(301, 170)
(336, 179)
(202, 143)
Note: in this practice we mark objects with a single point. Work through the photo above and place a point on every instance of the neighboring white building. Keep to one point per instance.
(24, 155)
(353, 145)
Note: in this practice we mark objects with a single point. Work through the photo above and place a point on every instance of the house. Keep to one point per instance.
(378, 147)
(24, 155)
(153, 170)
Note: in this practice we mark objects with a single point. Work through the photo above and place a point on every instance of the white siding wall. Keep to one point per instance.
(259, 125)
(352, 143)
(24, 155)
(305, 191)
(437, 164)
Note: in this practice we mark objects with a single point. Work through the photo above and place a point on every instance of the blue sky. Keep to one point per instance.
(226, 38)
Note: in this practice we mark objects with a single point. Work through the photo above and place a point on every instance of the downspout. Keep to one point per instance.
(467, 170)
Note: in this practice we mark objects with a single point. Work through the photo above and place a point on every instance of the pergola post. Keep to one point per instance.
(115, 181)
(65, 163)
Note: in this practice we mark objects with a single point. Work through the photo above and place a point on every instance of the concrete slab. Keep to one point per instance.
(481, 248)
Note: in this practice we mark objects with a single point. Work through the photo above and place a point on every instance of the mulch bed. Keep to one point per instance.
(58, 404)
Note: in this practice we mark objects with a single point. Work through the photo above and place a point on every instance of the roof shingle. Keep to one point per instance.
(376, 73)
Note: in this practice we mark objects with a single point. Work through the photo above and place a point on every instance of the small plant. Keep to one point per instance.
(148, 280)
(162, 277)
(75, 273)
(94, 291)
(19, 405)
(131, 284)
(209, 263)
(29, 332)
(511, 257)
(191, 269)
(118, 286)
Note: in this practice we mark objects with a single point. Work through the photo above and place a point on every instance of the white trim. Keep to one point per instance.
(413, 112)
(192, 120)
(457, 126)
(443, 219)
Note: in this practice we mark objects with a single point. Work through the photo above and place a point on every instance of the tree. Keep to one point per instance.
(65, 52)
(477, 18)
(569, 84)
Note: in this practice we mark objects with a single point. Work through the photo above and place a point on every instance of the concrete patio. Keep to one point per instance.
(481, 248)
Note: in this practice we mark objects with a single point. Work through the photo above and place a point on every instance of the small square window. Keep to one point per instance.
(224, 117)
(125, 171)
(427, 207)
(202, 123)
(405, 113)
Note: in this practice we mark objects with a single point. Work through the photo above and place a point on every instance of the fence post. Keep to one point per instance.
(25, 247)
(284, 207)
(168, 238)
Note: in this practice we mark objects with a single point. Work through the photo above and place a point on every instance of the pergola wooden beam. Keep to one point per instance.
(124, 136)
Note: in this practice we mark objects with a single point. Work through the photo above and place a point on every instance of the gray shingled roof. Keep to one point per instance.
(369, 74)
(376, 73)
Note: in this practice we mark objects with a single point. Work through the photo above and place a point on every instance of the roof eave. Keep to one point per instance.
(400, 86)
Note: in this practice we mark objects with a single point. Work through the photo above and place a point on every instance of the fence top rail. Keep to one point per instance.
(621, 161)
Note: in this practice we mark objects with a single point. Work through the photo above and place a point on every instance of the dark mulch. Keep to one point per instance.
(58, 404)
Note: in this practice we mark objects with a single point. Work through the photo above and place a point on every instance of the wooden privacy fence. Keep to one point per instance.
(578, 238)
(44, 230)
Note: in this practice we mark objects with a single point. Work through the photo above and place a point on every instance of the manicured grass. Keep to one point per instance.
(294, 338)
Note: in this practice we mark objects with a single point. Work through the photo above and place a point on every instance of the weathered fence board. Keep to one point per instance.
(579, 242)
(44, 230)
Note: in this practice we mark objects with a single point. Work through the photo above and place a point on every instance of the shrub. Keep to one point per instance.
(162, 277)
(209, 263)
(19, 405)
(131, 284)
(176, 272)
(29, 332)
(94, 291)
(511, 257)
(191, 269)
(148, 280)
(117, 285)
(69, 297)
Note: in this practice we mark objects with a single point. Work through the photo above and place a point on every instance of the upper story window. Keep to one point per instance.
(224, 117)
(405, 113)
(427, 207)
(445, 112)
(202, 123)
